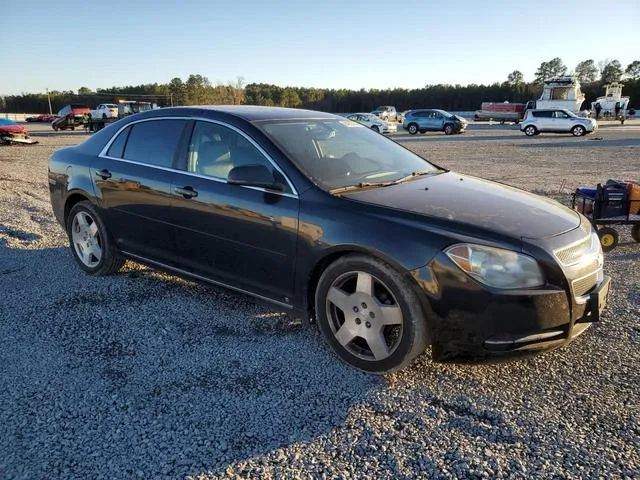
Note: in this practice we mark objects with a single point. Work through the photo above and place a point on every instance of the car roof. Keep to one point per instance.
(256, 113)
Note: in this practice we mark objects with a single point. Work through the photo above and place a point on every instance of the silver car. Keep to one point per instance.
(556, 121)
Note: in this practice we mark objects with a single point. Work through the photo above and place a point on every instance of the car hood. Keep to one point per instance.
(462, 199)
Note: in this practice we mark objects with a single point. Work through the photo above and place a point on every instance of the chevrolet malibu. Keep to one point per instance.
(323, 217)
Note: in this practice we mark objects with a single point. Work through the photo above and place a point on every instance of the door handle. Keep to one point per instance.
(186, 192)
(103, 174)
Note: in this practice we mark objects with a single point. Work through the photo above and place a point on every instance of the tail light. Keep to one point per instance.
(526, 114)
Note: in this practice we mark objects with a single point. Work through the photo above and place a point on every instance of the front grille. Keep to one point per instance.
(584, 284)
(573, 253)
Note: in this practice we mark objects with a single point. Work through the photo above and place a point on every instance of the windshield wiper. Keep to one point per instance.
(360, 185)
(413, 175)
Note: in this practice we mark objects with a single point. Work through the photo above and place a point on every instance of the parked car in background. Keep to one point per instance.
(44, 117)
(556, 121)
(329, 220)
(105, 110)
(374, 123)
(386, 113)
(433, 120)
(70, 116)
(402, 115)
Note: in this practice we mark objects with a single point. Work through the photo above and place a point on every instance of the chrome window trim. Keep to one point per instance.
(105, 149)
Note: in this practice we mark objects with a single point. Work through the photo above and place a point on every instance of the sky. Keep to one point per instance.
(322, 43)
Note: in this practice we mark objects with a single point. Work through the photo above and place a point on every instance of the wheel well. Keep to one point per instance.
(317, 272)
(322, 265)
(71, 201)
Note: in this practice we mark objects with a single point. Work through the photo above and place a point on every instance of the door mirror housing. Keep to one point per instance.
(254, 176)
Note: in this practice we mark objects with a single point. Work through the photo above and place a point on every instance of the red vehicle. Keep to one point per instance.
(43, 117)
(70, 116)
(11, 132)
(511, 112)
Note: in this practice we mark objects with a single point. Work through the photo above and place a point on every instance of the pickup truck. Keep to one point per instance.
(386, 113)
(104, 110)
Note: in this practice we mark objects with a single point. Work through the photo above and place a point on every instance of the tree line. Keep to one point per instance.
(198, 90)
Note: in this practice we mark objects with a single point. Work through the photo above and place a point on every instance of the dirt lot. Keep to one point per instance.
(144, 375)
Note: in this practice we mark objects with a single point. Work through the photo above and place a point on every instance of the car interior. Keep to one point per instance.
(215, 150)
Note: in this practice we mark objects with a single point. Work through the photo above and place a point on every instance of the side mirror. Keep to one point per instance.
(254, 176)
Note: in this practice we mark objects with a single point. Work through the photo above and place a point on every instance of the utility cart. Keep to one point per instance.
(615, 203)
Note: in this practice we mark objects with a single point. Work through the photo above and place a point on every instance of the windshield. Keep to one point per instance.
(340, 153)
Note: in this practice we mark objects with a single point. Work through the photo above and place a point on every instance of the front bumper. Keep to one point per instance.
(469, 321)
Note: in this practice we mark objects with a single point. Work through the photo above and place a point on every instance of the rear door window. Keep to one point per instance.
(154, 142)
(542, 114)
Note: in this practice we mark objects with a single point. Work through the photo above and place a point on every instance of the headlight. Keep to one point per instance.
(496, 267)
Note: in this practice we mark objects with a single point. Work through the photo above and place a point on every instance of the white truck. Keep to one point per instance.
(386, 113)
(104, 111)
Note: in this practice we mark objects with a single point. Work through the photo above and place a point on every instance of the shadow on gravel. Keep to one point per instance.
(18, 234)
(457, 138)
(589, 142)
(143, 374)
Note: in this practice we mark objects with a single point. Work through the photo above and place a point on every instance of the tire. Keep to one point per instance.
(55, 129)
(104, 116)
(375, 128)
(72, 128)
(396, 343)
(635, 233)
(100, 256)
(608, 238)
(412, 128)
(578, 131)
(530, 131)
(448, 129)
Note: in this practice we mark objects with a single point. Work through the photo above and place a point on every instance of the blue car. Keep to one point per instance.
(433, 120)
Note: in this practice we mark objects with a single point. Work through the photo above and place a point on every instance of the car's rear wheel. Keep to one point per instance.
(375, 128)
(413, 128)
(635, 233)
(55, 129)
(578, 131)
(530, 131)
(90, 243)
(370, 314)
(448, 129)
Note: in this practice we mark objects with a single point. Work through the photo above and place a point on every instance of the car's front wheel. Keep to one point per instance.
(578, 131)
(91, 245)
(448, 129)
(370, 314)
(413, 128)
(530, 131)
(375, 128)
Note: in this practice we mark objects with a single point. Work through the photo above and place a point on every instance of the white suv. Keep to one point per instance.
(556, 121)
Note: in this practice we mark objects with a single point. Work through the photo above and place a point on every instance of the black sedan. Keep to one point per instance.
(325, 218)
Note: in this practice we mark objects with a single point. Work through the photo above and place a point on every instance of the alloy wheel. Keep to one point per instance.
(86, 240)
(364, 316)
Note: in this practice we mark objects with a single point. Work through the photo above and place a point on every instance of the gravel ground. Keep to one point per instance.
(145, 375)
